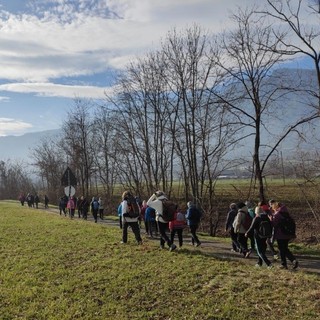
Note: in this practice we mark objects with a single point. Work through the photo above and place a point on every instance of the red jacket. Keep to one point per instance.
(179, 221)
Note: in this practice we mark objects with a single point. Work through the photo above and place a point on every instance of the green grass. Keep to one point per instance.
(55, 268)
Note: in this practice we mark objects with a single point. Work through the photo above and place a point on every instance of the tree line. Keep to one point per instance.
(180, 115)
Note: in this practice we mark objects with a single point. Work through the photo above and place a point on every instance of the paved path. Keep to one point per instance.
(218, 248)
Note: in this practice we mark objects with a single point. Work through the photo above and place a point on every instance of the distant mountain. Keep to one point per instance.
(20, 147)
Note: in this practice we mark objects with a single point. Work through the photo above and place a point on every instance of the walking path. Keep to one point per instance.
(219, 248)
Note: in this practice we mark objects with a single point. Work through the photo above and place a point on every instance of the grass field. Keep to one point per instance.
(55, 268)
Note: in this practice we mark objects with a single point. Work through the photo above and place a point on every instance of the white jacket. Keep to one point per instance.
(157, 205)
(124, 209)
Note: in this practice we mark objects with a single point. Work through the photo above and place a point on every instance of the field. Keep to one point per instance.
(56, 268)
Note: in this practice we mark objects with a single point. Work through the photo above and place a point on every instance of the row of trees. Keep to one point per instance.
(179, 116)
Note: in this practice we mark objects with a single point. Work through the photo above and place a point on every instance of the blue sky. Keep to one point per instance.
(52, 51)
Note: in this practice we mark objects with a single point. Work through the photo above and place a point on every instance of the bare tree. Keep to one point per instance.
(139, 100)
(14, 179)
(299, 33)
(254, 89)
(49, 162)
(79, 144)
(199, 125)
(107, 152)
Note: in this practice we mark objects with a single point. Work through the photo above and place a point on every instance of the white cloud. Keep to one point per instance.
(4, 99)
(9, 126)
(75, 38)
(57, 90)
(55, 42)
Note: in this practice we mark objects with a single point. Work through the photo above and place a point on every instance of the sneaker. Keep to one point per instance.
(283, 267)
(257, 265)
(270, 266)
(247, 255)
(275, 257)
(295, 264)
(173, 247)
(198, 244)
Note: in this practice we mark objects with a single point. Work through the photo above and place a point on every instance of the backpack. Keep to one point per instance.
(287, 225)
(95, 205)
(247, 221)
(168, 210)
(265, 229)
(133, 207)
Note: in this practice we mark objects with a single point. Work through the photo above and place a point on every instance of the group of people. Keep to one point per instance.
(262, 225)
(152, 213)
(83, 206)
(33, 200)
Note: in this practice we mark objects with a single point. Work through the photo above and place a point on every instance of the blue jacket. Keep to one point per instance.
(120, 210)
(193, 216)
(148, 214)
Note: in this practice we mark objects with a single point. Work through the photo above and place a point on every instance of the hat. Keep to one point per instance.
(240, 205)
(233, 206)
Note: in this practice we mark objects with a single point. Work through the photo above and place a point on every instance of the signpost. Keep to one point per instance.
(69, 180)
(69, 191)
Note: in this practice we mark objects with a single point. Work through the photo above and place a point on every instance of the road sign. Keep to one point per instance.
(68, 178)
(69, 191)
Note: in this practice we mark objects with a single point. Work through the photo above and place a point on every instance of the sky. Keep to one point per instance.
(53, 51)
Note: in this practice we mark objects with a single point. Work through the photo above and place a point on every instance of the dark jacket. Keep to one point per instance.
(230, 218)
(276, 221)
(193, 216)
(256, 224)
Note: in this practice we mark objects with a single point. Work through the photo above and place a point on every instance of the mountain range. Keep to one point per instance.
(19, 148)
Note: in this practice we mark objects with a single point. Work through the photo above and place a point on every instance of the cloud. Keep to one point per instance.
(8, 126)
(70, 38)
(57, 90)
(4, 99)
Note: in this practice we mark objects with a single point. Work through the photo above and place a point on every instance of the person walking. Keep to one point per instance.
(143, 209)
(101, 208)
(71, 206)
(262, 229)
(279, 217)
(155, 202)
(176, 226)
(119, 211)
(193, 217)
(229, 227)
(150, 220)
(261, 208)
(22, 199)
(129, 220)
(83, 207)
(95, 209)
(36, 201)
(46, 201)
(63, 204)
(240, 228)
